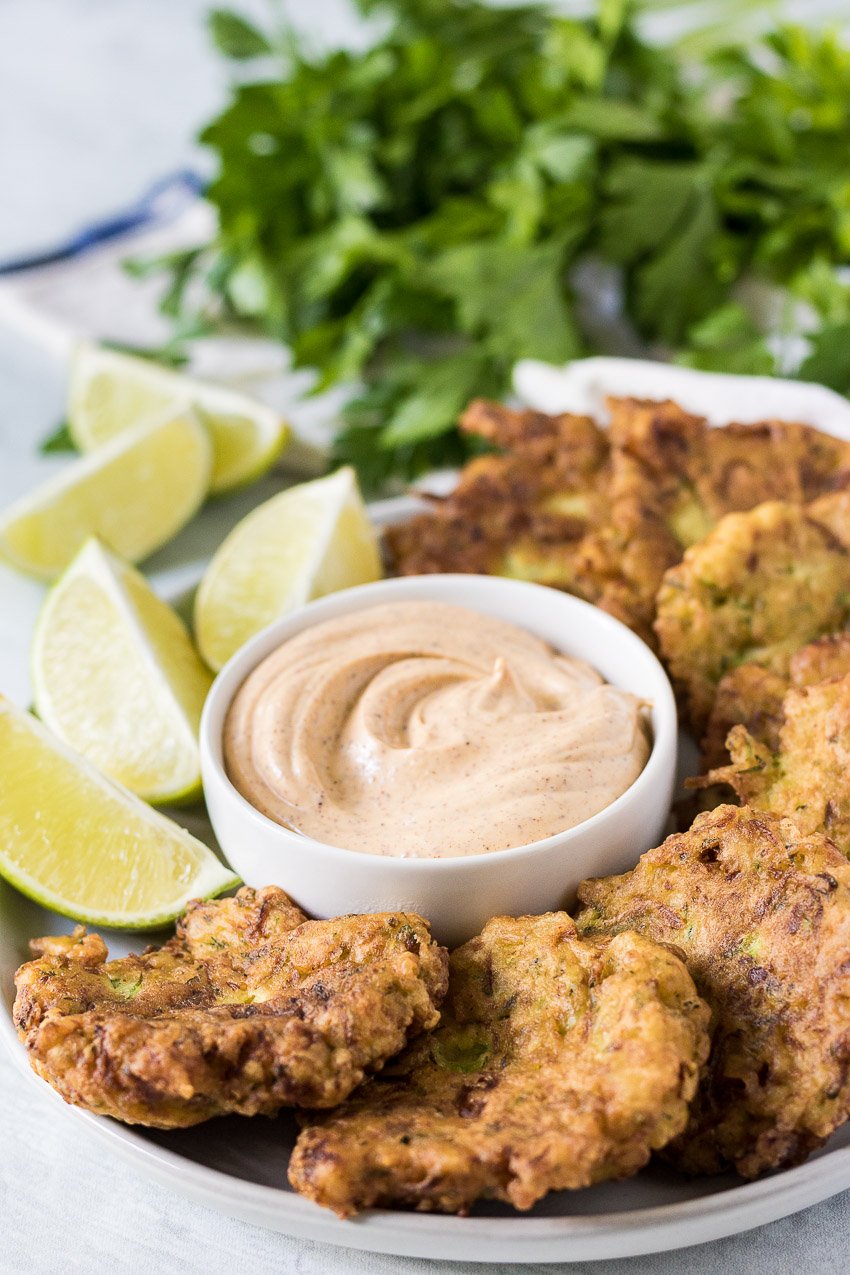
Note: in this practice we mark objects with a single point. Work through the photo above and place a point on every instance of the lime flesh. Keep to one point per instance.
(80, 844)
(302, 544)
(117, 678)
(110, 392)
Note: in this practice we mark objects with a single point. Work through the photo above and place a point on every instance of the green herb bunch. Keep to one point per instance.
(408, 218)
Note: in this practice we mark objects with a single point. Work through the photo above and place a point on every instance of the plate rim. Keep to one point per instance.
(524, 1240)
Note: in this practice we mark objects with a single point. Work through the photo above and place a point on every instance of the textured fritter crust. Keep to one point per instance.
(832, 509)
(249, 1008)
(522, 513)
(762, 917)
(748, 696)
(828, 657)
(559, 1062)
(604, 514)
(805, 773)
(758, 587)
(751, 696)
(673, 477)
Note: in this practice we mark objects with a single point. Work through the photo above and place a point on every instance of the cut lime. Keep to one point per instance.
(308, 541)
(135, 493)
(111, 392)
(80, 844)
(117, 678)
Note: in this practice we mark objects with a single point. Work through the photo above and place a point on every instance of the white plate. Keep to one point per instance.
(238, 1166)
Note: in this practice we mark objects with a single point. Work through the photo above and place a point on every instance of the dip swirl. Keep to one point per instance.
(422, 729)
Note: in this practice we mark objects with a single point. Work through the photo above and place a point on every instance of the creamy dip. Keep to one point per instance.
(421, 729)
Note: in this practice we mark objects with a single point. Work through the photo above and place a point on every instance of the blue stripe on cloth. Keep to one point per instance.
(161, 203)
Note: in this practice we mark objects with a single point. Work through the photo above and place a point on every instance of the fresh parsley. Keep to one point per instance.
(408, 217)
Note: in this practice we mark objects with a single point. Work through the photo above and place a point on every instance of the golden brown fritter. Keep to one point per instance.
(761, 915)
(805, 773)
(758, 587)
(249, 1008)
(672, 477)
(832, 509)
(605, 514)
(828, 657)
(521, 513)
(559, 1062)
(751, 696)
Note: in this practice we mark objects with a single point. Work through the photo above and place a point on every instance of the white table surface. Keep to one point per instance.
(97, 99)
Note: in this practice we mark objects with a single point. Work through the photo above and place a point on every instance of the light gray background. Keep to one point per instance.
(97, 99)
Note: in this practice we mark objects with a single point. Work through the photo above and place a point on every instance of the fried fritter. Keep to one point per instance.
(522, 513)
(828, 657)
(751, 696)
(605, 514)
(758, 587)
(832, 510)
(559, 1062)
(761, 915)
(249, 1008)
(805, 775)
(748, 696)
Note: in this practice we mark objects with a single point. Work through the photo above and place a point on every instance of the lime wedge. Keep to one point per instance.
(111, 392)
(135, 493)
(308, 541)
(117, 678)
(79, 843)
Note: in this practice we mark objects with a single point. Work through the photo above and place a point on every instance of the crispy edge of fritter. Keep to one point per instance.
(535, 499)
(752, 696)
(759, 586)
(804, 774)
(749, 696)
(560, 1062)
(761, 916)
(250, 1007)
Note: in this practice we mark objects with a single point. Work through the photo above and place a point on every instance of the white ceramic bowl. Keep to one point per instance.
(457, 895)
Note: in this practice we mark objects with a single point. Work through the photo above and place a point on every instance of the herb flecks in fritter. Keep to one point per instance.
(805, 773)
(603, 514)
(758, 587)
(761, 915)
(560, 1062)
(249, 1008)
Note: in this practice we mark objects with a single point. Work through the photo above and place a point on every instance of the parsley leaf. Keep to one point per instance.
(407, 217)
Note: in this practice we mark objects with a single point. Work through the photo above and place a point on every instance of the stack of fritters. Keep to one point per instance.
(604, 513)
(249, 1008)
(752, 626)
(699, 1006)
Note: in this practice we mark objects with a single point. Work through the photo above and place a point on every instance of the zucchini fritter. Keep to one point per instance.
(805, 773)
(758, 587)
(761, 915)
(603, 514)
(751, 696)
(521, 513)
(249, 1008)
(560, 1062)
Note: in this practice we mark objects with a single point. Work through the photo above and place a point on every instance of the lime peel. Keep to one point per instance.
(78, 843)
(111, 391)
(306, 542)
(116, 677)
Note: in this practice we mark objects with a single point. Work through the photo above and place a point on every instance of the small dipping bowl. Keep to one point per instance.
(457, 895)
